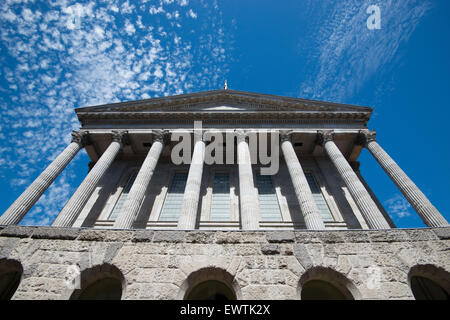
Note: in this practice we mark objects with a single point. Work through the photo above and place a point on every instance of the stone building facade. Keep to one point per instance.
(144, 225)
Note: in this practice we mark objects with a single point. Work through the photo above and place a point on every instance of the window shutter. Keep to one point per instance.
(220, 205)
(268, 201)
(123, 197)
(318, 198)
(174, 198)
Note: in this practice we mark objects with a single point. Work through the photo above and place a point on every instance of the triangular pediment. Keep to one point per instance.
(220, 101)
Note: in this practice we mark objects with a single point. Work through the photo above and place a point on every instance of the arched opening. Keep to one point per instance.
(103, 282)
(102, 289)
(320, 283)
(211, 290)
(10, 275)
(428, 282)
(321, 290)
(426, 289)
(210, 283)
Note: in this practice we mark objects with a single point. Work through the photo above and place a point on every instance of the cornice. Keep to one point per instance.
(240, 115)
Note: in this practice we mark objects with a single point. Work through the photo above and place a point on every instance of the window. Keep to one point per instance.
(268, 201)
(318, 198)
(174, 199)
(220, 204)
(123, 197)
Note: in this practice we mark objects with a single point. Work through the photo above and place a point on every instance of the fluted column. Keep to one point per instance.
(250, 214)
(130, 208)
(31, 195)
(305, 198)
(188, 216)
(365, 203)
(73, 207)
(425, 209)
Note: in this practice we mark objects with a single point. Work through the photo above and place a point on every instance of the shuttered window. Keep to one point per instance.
(318, 198)
(268, 201)
(174, 198)
(220, 205)
(122, 198)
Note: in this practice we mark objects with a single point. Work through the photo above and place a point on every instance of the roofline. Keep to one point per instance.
(225, 91)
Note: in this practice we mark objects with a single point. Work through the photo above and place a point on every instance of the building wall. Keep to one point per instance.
(371, 264)
(343, 209)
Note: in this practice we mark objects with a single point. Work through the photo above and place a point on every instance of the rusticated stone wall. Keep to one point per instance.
(369, 264)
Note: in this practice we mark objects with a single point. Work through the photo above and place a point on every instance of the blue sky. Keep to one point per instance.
(58, 55)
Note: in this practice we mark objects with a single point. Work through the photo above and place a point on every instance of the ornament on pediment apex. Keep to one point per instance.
(162, 136)
(366, 136)
(120, 136)
(81, 137)
(324, 136)
(285, 135)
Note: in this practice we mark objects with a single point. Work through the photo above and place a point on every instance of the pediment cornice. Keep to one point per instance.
(220, 102)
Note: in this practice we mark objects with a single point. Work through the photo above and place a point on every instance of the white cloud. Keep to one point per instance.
(347, 53)
(398, 206)
(129, 28)
(192, 14)
(78, 55)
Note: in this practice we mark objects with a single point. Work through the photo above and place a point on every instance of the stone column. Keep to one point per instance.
(305, 198)
(365, 203)
(429, 214)
(31, 195)
(73, 207)
(248, 198)
(188, 216)
(130, 208)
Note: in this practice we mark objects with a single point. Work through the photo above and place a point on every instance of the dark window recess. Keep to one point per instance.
(298, 144)
(147, 144)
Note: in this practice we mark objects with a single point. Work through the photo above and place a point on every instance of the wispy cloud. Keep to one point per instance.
(59, 55)
(347, 54)
(398, 206)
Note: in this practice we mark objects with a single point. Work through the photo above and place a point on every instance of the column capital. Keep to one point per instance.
(285, 135)
(120, 136)
(324, 136)
(162, 136)
(81, 137)
(241, 135)
(366, 136)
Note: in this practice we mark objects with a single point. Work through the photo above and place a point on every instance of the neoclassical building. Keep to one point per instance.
(152, 220)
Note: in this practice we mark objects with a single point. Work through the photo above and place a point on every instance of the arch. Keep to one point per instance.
(428, 282)
(101, 282)
(321, 283)
(210, 283)
(11, 272)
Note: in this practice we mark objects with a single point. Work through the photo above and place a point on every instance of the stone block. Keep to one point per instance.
(200, 237)
(394, 235)
(228, 237)
(17, 231)
(269, 249)
(142, 236)
(92, 235)
(280, 236)
(443, 233)
(302, 255)
(169, 236)
(55, 233)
